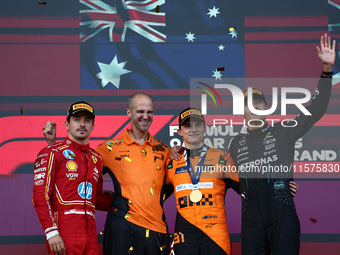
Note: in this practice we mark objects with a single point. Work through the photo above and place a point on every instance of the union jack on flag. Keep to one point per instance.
(138, 16)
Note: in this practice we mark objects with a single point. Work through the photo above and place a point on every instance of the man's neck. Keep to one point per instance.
(193, 146)
(257, 125)
(138, 136)
(83, 142)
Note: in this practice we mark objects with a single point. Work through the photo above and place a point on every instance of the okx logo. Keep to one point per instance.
(204, 97)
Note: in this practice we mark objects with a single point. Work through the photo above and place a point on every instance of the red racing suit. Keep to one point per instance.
(67, 188)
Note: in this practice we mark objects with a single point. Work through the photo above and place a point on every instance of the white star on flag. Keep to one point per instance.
(217, 74)
(213, 12)
(221, 47)
(112, 72)
(190, 37)
(233, 34)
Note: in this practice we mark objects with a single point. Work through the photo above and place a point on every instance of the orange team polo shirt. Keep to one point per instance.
(140, 171)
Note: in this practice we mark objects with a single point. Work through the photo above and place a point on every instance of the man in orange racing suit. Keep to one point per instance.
(200, 179)
(67, 187)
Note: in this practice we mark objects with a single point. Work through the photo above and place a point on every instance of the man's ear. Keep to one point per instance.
(179, 131)
(128, 112)
(67, 125)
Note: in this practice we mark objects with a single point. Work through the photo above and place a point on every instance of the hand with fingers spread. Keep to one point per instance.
(49, 131)
(326, 53)
(57, 245)
(293, 188)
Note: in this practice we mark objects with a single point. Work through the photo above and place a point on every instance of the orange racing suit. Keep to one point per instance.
(201, 228)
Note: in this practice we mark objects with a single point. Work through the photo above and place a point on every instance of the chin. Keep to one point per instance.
(144, 127)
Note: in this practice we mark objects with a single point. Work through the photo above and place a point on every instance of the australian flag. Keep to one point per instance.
(159, 44)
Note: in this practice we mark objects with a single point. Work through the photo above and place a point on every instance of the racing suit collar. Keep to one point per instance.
(81, 147)
(258, 130)
(194, 152)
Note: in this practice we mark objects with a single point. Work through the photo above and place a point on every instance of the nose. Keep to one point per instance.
(82, 123)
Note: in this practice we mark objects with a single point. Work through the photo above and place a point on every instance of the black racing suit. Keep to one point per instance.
(269, 220)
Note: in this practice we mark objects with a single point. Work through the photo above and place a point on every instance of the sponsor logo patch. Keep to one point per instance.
(182, 169)
(243, 149)
(38, 164)
(269, 146)
(41, 169)
(82, 106)
(209, 217)
(170, 164)
(42, 155)
(39, 182)
(201, 185)
(72, 176)
(221, 160)
(242, 141)
(279, 185)
(94, 159)
(71, 165)
(69, 154)
(39, 176)
(210, 225)
(272, 140)
(82, 190)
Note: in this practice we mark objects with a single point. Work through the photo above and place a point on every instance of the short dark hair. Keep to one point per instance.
(81, 106)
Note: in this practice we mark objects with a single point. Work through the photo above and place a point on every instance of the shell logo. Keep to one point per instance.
(72, 166)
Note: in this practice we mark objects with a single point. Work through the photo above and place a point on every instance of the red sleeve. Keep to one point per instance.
(43, 184)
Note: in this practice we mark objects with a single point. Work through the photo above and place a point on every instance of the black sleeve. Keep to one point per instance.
(232, 184)
(168, 189)
(318, 106)
(232, 148)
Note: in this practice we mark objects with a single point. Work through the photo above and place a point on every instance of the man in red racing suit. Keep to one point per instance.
(67, 187)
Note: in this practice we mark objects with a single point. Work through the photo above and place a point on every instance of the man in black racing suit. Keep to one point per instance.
(269, 221)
